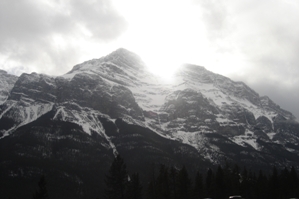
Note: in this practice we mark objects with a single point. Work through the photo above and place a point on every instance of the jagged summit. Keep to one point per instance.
(7, 82)
(3, 71)
(121, 58)
(125, 58)
(124, 53)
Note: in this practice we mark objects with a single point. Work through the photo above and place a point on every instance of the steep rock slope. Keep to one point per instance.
(7, 82)
(115, 105)
(196, 103)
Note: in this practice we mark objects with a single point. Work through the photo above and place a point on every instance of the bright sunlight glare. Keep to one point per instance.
(163, 34)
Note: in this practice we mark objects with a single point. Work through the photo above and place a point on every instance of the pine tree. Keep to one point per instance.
(162, 183)
(116, 180)
(173, 182)
(151, 188)
(183, 184)
(274, 184)
(261, 187)
(284, 184)
(42, 192)
(251, 180)
(294, 183)
(244, 183)
(134, 189)
(219, 183)
(198, 186)
(235, 180)
(209, 184)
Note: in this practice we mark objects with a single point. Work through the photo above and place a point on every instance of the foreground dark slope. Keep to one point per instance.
(60, 150)
(70, 127)
(75, 162)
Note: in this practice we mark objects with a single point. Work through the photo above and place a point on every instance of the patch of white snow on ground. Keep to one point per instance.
(220, 99)
(7, 133)
(89, 122)
(217, 96)
(82, 121)
(5, 111)
(30, 114)
(225, 121)
(60, 111)
(255, 110)
(247, 138)
(100, 130)
(200, 142)
(147, 124)
(34, 111)
(195, 139)
(70, 76)
(149, 97)
(271, 135)
(164, 125)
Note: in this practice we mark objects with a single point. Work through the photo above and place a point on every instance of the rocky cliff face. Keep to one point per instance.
(7, 82)
(115, 105)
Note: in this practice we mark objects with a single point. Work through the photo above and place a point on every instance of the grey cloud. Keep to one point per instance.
(98, 17)
(21, 20)
(273, 77)
(25, 19)
(27, 28)
(266, 34)
(215, 15)
(16, 70)
(286, 97)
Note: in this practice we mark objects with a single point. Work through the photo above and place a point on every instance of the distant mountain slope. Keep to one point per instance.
(113, 104)
(7, 82)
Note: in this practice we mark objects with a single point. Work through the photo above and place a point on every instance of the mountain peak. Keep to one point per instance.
(124, 57)
(121, 57)
(123, 51)
(3, 71)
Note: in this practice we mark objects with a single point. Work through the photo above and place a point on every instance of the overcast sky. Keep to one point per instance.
(252, 41)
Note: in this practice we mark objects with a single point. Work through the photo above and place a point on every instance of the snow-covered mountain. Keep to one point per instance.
(115, 105)
(7, 82)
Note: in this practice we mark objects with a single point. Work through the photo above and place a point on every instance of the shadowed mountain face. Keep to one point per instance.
(70, 127)
(7, 81)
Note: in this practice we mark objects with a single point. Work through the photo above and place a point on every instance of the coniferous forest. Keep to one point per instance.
(175, 183)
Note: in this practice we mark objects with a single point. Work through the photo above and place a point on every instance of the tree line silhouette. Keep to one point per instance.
(174, 183)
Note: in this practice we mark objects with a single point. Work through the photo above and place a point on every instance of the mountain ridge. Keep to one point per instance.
(108, 72)
(115, 105)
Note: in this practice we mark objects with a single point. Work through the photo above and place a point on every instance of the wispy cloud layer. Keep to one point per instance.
(264, 34)
(46, 36)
